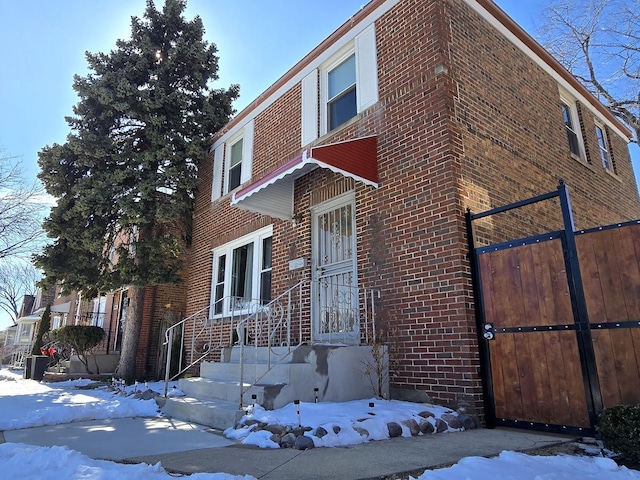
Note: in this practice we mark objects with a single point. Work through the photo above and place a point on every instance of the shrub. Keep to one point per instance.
(620, 430)
(43, 328)
(81, 338)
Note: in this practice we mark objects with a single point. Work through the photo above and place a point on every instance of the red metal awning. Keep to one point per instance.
(273, 194)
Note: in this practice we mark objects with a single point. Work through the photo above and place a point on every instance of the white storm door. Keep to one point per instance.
(335, 280)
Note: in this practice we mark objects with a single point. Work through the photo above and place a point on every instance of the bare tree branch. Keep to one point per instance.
(598, 41)
(17, 279)
(22, 209)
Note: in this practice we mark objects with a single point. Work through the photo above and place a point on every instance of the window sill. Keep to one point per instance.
(583, 163)
(612, 174)
(336, 130)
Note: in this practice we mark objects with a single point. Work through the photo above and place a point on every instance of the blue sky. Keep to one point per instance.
(42, 45)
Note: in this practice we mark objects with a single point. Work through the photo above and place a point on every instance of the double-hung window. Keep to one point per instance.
(348, 82)
(232, 161)
(341, 83)
(603, 147)
(99, 306)
(572, 127)
(235, 165)
(242, 273)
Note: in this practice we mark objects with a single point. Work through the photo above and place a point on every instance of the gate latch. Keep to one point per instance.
(489, 334)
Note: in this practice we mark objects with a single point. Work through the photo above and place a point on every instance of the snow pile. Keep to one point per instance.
(20, 461)
(330, 424)
(518, 466)
(27, 403)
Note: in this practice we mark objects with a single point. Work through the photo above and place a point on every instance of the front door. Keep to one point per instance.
(335, 283)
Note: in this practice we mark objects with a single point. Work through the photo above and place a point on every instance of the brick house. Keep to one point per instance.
(354, 171)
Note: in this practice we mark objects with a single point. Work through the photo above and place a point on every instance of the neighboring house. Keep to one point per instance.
(21, 344)
(7, 337)
(164, 305)
(354, 170)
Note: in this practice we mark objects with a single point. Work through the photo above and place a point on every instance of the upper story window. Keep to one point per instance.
(603, 147)
(341, 104)
(572, 126)
(232, 161)
(242, 274)
(341, 87)
(235, 165)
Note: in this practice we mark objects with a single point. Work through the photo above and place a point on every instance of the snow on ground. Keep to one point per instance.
(371, 415)
(27, 403)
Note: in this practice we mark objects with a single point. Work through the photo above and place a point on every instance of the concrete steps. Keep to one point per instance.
(213, 399)
(272, 379)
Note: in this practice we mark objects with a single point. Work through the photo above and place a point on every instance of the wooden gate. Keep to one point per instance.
(559, 323)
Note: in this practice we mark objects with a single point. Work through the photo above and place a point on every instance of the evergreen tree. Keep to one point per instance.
(126, 177)
(43, 327)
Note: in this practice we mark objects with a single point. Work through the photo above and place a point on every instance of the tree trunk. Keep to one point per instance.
(132, 326)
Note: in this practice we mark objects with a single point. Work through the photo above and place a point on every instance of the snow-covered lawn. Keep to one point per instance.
(26, 403)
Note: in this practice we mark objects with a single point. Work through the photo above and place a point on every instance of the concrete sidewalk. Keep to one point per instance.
(187, 448)
(373, 460)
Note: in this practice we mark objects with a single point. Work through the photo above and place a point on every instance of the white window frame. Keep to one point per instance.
(25, 332)
(99, 309)
(229, 147)
(603, 150)
(227, 249)
(246, 135)
(364, 48)
(571, 104)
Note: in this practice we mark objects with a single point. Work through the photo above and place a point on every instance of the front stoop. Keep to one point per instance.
(302, 374)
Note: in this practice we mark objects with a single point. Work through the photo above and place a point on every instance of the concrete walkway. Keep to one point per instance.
(187, 448)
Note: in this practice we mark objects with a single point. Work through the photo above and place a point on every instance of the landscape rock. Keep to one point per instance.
(441, 426)
(288, 440)
(412, 425)
(303, 443)
(452, 420)
(467, 422)
(426, 427)
(276, 429)
(395, 430)
(361, 431)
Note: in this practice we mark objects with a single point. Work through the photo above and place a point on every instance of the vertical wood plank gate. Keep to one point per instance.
(559, 322)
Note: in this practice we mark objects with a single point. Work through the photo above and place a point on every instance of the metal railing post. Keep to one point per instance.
(241, 385)
(167, 372)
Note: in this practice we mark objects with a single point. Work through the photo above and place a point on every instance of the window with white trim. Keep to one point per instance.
(348, 85)
(572, 127)
(25, 332)
(603, 147)
(241, 277)
(234, 173)
(232, 162)
(99, 305)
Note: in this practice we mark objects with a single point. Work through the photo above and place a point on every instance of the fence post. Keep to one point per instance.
(581, 315)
